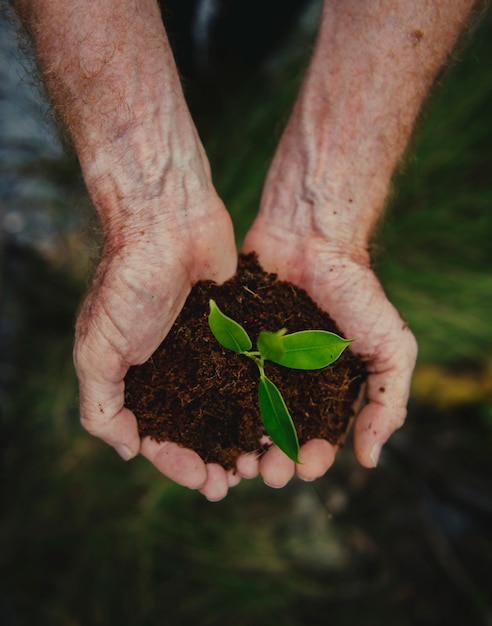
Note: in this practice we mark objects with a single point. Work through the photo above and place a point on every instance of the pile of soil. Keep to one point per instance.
(202, 396)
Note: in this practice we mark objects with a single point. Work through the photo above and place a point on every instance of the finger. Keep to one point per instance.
(101, 369)
(181, 465)
(387, 397)
(221, 258)
(276, 468)
(316, 457)
(112, 332)
(373, 427)
(233, 478)
(248, 465)
(217, 484)
(121, 432)
(102, 412)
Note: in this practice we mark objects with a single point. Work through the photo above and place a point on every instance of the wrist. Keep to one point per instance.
(113, 81)
(320, 193)
(371, 68)
(149, 180)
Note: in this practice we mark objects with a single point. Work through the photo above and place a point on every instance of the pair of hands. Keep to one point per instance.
(142, 284)
(111, 76)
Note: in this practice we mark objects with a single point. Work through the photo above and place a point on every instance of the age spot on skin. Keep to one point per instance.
(416, 37)
(101, 409)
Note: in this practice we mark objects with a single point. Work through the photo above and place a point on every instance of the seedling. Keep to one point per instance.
(304, 350)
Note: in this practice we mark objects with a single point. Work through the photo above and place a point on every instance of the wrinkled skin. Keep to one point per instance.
(112, 79)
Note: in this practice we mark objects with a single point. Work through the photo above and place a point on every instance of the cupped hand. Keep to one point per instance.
(139, 288)
(343, 284)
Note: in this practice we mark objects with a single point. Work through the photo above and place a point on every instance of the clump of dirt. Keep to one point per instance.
(202, 396)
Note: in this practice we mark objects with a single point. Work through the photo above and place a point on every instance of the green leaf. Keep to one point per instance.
(270, 344)
(311, 349)
(228, 333)
(277, 419)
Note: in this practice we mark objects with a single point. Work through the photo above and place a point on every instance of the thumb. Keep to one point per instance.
(387, 393)
(122, 321)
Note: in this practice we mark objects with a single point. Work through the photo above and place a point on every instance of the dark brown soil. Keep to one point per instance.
(204, 397)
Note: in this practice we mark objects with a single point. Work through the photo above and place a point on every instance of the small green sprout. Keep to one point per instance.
(305, 350)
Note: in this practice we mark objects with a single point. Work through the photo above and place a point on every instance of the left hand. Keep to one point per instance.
(345, 286)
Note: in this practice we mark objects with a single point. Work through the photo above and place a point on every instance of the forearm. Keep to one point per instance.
(372, 67)
(110, 74)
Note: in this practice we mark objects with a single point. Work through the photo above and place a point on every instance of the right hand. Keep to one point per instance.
(139, 288)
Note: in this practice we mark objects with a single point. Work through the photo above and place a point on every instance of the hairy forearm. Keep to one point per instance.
(372, 67)
(110, 74)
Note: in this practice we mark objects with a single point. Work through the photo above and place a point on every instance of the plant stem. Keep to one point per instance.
(258, 359)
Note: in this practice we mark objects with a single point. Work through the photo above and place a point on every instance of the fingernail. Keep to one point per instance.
(124, 451)
(375, 452)
(274, 486)
(213, 500)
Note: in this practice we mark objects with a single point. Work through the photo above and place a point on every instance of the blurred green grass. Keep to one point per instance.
(87, 540)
